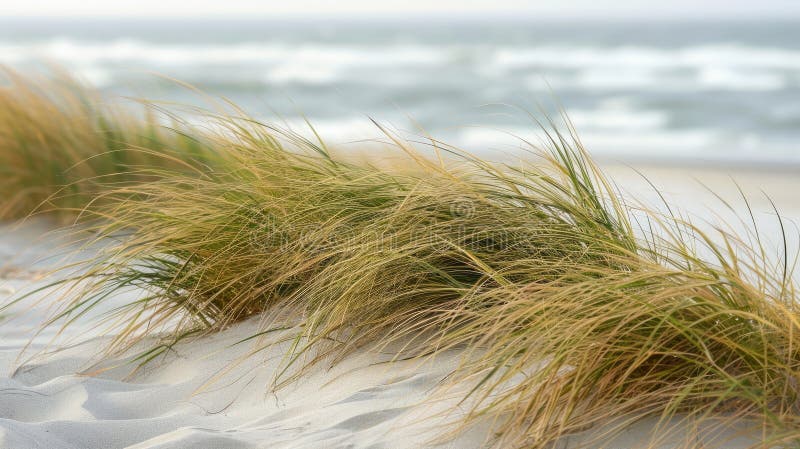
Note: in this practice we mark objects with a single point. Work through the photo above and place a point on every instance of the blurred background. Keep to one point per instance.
(714, 81)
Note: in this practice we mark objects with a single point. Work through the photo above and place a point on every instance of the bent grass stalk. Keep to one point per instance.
(573, 308)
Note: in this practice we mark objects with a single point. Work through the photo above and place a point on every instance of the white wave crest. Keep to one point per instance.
(699, 67)
(694, 57)
(132, 50)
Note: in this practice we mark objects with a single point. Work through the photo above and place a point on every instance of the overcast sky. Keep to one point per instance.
(578, 9)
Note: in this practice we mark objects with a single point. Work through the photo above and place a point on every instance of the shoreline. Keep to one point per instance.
(710, 165)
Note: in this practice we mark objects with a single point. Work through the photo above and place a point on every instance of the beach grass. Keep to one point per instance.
(61, 143)
(573, 306)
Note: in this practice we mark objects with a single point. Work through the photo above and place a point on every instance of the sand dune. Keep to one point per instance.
(171, 404)
(207, 394)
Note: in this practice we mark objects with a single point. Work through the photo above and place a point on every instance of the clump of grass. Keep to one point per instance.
(61, 144)
(572, 307)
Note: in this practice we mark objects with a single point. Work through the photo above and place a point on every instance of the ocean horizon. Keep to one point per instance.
(698, 91)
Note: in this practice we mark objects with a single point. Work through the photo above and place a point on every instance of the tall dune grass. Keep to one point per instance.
(573, 307)
(61, 141)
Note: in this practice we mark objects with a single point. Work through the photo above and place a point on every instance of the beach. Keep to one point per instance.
(212, 392)
(364, 225)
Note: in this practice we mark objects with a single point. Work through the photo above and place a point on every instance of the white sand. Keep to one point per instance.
(49, 404)
(205, 394)
(167, 405)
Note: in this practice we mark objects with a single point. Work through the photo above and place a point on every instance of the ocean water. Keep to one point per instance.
(706, 92)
